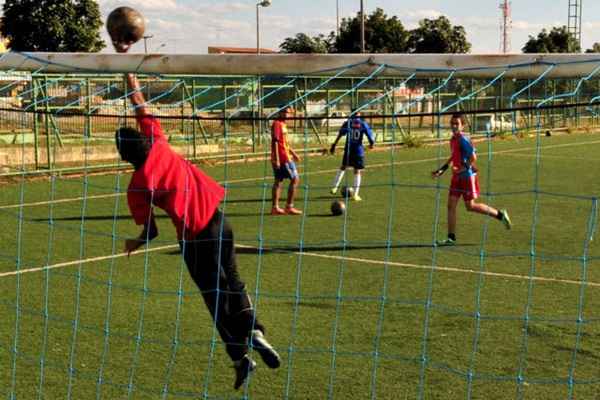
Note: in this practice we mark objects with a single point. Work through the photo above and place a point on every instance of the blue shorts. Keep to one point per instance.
(286, 171)
(353, 160)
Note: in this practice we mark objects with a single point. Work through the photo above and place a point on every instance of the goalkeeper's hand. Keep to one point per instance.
(440, 171)
(332, 149)
(132, 245)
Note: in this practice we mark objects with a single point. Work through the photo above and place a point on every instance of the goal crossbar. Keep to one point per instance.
(515, 66)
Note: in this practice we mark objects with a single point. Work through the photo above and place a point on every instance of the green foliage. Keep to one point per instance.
(558, 40)
(302, 43)
(412, 140)
(382, 34)
(439, 36)
(595, 48)
(52, 25)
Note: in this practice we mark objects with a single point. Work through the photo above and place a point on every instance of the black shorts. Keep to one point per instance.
(211, 261)
(353, 160)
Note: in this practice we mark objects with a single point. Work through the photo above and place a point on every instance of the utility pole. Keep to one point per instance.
(337, 17)
(264, 3)
(362, 27)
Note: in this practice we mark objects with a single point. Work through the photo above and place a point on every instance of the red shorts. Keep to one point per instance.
(465, 186)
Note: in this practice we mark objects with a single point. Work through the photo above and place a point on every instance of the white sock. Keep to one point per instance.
(357, 179)
(338, 178)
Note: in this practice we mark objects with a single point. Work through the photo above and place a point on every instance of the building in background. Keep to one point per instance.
(238, 50)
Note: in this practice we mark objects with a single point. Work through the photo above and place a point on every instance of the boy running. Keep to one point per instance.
(465, 182)
(164, 179)
(354, 129)
(282, 160)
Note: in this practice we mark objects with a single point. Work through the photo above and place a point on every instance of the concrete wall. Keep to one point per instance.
(12, 157)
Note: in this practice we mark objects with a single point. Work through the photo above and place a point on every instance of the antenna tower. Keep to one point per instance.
(574, 25)
(505, 26)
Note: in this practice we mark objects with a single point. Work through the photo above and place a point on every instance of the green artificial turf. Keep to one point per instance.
(359, 306)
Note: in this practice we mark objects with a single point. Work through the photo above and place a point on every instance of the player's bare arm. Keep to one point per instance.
(275, 161)
(295, 155)
(335, 142)
(472, 161)
(136, 96)
(440, 171)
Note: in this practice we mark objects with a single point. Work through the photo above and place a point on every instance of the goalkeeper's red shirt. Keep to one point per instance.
(170, 182)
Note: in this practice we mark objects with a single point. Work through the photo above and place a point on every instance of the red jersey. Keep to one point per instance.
(279, 142)
(168, 181)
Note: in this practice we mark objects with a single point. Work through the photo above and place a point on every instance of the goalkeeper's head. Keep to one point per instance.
(132, 146)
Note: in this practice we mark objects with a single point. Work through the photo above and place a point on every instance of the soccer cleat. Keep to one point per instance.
(292, 211)
(356, 198)
(506, 219)
(264, 348)
(277, 211)
(446, 242)
(243, 368)
(333, 191)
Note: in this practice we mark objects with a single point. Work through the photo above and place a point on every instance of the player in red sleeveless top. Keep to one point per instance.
(284, 167)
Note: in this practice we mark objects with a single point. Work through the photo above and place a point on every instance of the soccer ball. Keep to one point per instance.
(347, 191)
(338, 207)
(125, 25)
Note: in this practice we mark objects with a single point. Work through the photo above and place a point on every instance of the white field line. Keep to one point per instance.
(317, 255)
(379, 165)
(546, 157)
(81, 262)
(42, 203)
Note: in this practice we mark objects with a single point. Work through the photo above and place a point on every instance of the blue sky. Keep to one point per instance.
(190, 26)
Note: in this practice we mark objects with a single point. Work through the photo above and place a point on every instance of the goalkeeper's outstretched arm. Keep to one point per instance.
(136, 96)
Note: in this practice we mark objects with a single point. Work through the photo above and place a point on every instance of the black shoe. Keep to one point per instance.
(242, 368)
(266, 351)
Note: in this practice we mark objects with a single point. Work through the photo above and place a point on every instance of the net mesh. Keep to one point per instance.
(363, 305)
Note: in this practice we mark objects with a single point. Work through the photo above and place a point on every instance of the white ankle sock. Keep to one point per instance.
(357, 179)
(338, 178)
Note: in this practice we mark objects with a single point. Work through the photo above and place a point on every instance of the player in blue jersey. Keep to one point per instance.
(354, 129)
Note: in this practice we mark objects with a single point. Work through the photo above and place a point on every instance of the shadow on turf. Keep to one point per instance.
(124, 217)
(93, 218)
(267, 214)
(234, 201)
(298, 200)
(316, 249)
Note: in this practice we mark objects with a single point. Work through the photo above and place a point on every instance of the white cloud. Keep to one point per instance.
(141, 5)
(420, 14)
(229, 8)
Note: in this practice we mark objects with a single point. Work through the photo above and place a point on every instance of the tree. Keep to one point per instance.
(52, 25)
(439, 36)
(382, 34)
(595, 48)
(302, 43)
(558, 40)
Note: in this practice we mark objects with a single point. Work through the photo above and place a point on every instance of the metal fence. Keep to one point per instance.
(46, 114)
